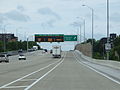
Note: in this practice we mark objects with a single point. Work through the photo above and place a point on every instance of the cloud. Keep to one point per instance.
(17, 16)
(48, 11)
(51, 23)
(76, 24)
(48, 24)
(20, 8)
(2, 18)
(50, 17)
(115, 17)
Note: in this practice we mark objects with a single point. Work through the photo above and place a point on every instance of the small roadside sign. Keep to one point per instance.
(107, 46)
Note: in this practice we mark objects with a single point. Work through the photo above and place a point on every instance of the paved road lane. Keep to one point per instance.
(46, 73)
(71, 75)
(17, 69)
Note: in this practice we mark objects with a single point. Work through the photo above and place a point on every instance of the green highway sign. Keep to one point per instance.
(70, 37)
(54, 37)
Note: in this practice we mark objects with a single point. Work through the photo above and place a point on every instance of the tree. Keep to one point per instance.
(12, 46)
(116, 44)
(1, 46)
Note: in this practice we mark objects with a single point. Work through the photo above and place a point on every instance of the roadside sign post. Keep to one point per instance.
(108, 47)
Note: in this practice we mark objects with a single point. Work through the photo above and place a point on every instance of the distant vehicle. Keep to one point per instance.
(35, 48)
(4, 58)
(45, 50)
(51, 51)
(71, 50)
(20, 51)
(7, 53)
(56, 51)
(22, 57)
(30, 50)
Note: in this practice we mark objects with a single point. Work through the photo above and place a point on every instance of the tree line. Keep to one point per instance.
(99, 51)
(16, 45)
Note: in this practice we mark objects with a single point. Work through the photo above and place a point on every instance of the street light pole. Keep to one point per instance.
(84, 26)
(4, 37)
(84, 30)
(4, 41)
(80, 34)
(27, 44)
(107, 27)
(17, 32)
(92, 30)
(92, 11)
(28, 39)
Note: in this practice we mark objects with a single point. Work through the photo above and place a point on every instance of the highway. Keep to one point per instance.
(42, 72)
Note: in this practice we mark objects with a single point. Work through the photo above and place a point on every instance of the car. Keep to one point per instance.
(45, 50)
(20, 51)
(4, 58)
(22, 57)
(51, 51)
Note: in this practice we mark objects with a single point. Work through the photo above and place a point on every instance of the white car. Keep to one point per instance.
(22, 57)
(4, 58)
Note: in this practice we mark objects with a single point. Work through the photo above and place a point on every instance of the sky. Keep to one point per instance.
(25, 18)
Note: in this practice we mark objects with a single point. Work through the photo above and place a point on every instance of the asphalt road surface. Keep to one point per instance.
(42, 72)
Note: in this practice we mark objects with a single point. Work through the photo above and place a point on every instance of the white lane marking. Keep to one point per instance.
(16, 87)
(110, 78)
(28, 75)
(43, 76)
(28, 80)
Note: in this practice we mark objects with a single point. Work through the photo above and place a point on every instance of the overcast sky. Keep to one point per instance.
(27, 17)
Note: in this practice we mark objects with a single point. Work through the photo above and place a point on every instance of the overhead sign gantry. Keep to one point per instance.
(55, 37)
(49, 37)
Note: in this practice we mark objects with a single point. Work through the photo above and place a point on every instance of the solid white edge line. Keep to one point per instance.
(16, 87)
(28, 75)
(43, 76)
(110, 78)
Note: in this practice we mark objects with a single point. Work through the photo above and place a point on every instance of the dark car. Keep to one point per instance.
(45, 50)
(51, 51)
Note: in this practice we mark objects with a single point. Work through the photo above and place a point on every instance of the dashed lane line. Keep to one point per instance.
(43, 76)
(36, 80)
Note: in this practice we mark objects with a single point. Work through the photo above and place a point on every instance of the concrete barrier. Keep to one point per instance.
(109, 63)
(86, 49)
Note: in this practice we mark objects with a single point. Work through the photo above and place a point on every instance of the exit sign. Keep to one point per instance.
(70, 37)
